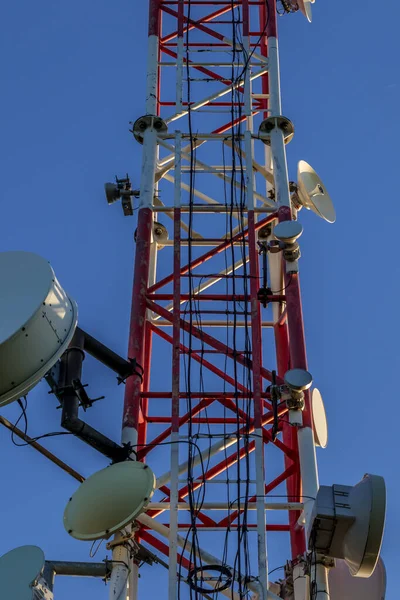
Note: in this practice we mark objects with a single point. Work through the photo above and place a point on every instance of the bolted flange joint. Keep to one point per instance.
(271, 123)
(146, 122)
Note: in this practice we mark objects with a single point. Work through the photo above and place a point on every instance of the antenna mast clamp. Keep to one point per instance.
(146, 122)
(271, 123)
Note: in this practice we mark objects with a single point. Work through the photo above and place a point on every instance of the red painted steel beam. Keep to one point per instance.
(205, 519)
(159, 545)
(136, 344)
(226, 521)
(216, 297)
(210, 17)
(207, 339)
(199, 420)
(223, 246)
(203, 70)
(165, 434)
(293, 483)
(250, 526)
(222, 466)
(212, 395)
(201, 360)
(144, 402)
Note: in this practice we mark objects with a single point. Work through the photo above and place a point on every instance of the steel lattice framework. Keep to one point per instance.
(214, 185)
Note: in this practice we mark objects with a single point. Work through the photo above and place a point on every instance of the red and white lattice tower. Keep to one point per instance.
(234, 457)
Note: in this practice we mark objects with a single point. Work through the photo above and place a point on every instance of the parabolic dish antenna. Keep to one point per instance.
(19, 571)
(363, 540)
(313, 194)
(305, 8)
(109, 500)
(319, 419)
(348, 523)
(37, 323)
(343, 586)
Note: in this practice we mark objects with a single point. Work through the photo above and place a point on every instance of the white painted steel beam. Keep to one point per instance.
(209, 282)
(237, 184)
(205, 556)
(223, 92)
(225, 506)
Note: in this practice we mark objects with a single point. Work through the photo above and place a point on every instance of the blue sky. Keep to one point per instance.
(72, 78)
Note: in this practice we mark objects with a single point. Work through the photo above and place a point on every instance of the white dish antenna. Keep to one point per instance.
(37, 323)
(305, 8)
(348, 523)
(109, 500)
(319, 419)
(313, 194)
(343, 586)
(20, 570)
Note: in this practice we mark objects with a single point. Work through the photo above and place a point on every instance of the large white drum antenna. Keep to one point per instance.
(37, 324)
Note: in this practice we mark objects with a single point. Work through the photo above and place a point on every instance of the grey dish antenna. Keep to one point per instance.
(348, 522)
(20, 570)
(312, 193)
(37, 324)
(109, 500)
(343, 586)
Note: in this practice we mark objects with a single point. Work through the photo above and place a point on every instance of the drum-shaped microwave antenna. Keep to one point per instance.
(38, 320)
(319, 419)
(109, 500)
(305, 8)
(313, 194)
(348, 522)
(298, 380)
(19, 571)
(288, 231)
(343, 586)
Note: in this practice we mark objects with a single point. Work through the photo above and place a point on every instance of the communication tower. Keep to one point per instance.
(216, 461)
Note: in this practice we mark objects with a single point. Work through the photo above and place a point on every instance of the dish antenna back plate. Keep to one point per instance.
(343, 586)
(19, 570)
(109, 500)
(319, 419)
